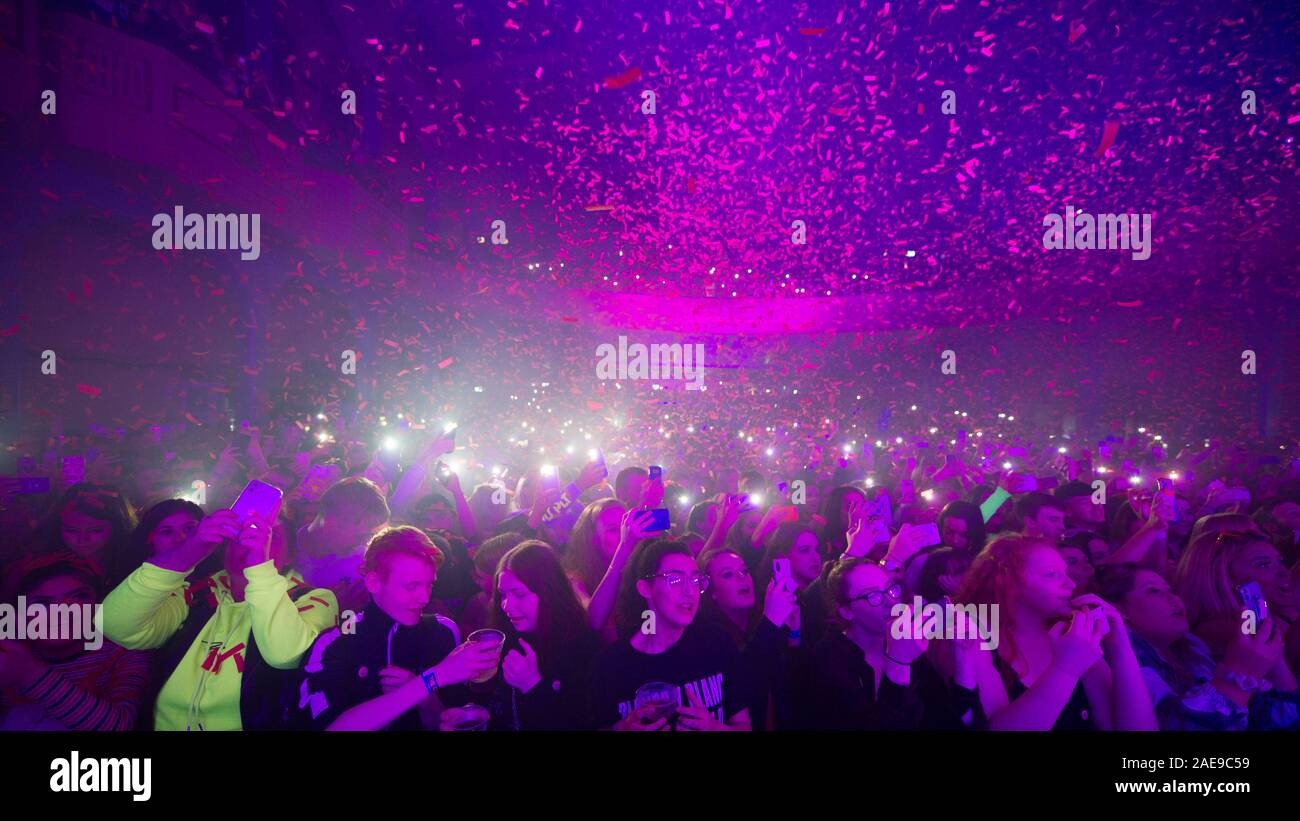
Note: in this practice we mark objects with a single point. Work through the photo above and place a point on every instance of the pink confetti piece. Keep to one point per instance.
(626, 78)
(206, 28)
(1077, 28)
(1107, 138)
(446, 363)
(89, 390)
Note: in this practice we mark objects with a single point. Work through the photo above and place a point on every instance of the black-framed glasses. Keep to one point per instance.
(876, 597)
(675, 578)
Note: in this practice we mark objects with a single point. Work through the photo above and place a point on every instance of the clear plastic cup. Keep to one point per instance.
(663, 697)
(469, 718)
(491, 637)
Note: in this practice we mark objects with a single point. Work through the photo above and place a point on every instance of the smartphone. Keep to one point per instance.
(1253, 599)
(656, 472)
(781, 570)
(926, 535)
(1165, 485)
(660, 521)
(879, 508)
(260, 498)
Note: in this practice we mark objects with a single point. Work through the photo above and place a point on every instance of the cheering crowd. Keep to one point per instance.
(358, 588)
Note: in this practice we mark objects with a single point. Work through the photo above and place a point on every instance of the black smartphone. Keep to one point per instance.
(656, 472)
(661, 520)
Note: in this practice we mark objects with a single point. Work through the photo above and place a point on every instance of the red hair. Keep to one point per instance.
(400, 541)
(997, 576)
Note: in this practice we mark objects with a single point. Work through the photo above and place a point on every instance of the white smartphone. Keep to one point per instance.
(260, 498)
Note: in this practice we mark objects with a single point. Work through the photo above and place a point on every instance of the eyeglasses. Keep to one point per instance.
(674, 578)
(875, 597)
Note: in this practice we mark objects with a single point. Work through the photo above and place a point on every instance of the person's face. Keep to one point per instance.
(1077, 566)
(953, 533)
(1098, 551)
(805, 559)
(404, 590)
(1287, 515)
(1048, 588)
(730, 584)
(848, 500)
(437, 516)
(172, 532)
(1048, 523)
(677, 604)
(1153, 610)
(710, 518)
(346, 530)
(1081, 510)
(632, 490)
(863, 580)
(518, 603)
(83, 535)
(748, 523)
(60, 590)
(1260, 562)
(608, 525)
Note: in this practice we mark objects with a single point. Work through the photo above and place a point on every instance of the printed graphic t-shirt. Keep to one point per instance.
(704, 661)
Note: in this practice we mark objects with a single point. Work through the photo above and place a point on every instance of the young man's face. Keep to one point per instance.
(1048, 523)
(345, 530)
(1083, 512)
(954, 533)
(437, 516)
(404, 589)
(674, 604)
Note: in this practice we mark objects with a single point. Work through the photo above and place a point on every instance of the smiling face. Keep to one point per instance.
(172, 532)
(1046, 584)
(1153, 610)
(1260, 562)
(403, 588)
(730, 584)
(518, 603)
(674, 605)
(83, 535)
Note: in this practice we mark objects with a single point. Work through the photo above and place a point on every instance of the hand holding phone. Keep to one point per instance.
(258, 500)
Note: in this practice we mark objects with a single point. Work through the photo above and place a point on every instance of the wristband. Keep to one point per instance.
(794, 634)
(430, 680)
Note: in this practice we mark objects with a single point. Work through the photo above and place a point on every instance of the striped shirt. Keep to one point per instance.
(98, 690)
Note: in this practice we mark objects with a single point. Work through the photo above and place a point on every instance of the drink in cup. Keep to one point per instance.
(493, 638)
(663, 697)
(469, 718)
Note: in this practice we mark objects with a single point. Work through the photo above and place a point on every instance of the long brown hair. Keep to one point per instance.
(582, 558)
(561, 621)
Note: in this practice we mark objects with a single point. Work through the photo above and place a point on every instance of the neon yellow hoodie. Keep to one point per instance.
(203, 692)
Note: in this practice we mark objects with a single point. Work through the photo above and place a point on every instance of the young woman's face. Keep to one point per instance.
(1098, 551)
(83, 535)
(673, 604)
(730, 584)
(518, 603)
(1077, 566)
(953, 533)
(1153, 610)
(861, 581)
(607, 529)
(404, 590)
(748, 523)
(172, 532)
(805, 559)
(61, 590)
(848, 500)
(1047, 587)
(1260, 562)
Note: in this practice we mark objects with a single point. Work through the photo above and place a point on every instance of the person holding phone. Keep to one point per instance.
(331, 548)
(1210, 574)
(224, 645)
(660, 641)
(1251, 688)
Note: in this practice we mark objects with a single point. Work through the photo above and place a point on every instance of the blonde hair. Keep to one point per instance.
(1202, 580)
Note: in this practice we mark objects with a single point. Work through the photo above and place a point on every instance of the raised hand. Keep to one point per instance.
(1076, 647)
(519, 667)
(779, 603)
(635, 527)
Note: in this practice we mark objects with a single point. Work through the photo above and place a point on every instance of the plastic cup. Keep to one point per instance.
(492, 638)
(469, 718)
